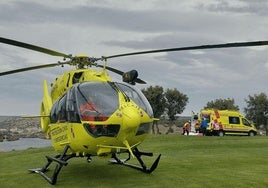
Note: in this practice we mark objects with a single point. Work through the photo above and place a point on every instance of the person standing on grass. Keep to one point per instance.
(204, 125)
(186, 128)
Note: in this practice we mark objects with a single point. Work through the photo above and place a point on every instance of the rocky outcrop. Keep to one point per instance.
(13, 128)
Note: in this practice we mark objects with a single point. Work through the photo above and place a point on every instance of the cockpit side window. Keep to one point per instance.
(62, 109)
(71, 107)
(137, 96)
(53, 112)
(58, 111)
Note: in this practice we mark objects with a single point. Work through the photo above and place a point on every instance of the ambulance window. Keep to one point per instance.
(207, 117)
(234, 120)
(245, 122)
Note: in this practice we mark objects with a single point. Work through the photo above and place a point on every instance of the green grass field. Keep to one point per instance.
(229, 161)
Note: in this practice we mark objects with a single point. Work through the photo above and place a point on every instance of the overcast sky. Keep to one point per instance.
(107, 27)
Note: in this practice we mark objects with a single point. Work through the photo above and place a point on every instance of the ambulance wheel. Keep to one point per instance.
(251, 133)
(221, 133)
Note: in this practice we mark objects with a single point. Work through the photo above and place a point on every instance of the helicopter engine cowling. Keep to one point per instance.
(45, 108)
(130, 77)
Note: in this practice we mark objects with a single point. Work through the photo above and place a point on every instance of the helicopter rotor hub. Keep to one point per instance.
(83, 61)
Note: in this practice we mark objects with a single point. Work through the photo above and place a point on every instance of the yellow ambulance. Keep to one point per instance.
(226, 122)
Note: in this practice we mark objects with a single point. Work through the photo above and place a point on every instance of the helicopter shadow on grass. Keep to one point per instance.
(99, 171)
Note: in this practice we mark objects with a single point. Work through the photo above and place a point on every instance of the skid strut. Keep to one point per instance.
(60, 159)
(138, 155)
(63, 158)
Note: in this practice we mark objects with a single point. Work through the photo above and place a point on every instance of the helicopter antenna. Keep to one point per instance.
(105, 64)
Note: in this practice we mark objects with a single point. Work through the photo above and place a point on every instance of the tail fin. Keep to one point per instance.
(45, 108)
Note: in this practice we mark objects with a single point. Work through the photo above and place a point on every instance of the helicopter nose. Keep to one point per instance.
(131, 117)
(131, 121)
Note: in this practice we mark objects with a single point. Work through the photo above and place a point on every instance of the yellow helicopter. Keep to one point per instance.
(86, 114)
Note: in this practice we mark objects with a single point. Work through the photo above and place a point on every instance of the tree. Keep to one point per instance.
(222, 104)
(156, 98)
(172, 101)
(176, 102)
(256, 109)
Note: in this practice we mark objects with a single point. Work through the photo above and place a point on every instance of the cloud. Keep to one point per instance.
(258, 7)
(104, 28)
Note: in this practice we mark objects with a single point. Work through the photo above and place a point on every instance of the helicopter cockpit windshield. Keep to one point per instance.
(96, 101)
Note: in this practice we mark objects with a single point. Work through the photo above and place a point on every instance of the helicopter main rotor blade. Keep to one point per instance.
(30, 68)
(112, 69)
(225, 45)
(33, 47)
(138, 80)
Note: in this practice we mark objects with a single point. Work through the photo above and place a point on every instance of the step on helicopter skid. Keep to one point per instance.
(86, 114)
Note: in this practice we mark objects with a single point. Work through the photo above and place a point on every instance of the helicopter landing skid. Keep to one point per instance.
(138, 155)
(60, 159)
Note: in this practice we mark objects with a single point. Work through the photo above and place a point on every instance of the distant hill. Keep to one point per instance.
(2, 118)
(14, 127)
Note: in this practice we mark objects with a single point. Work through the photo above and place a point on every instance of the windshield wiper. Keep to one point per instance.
(118, 89)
